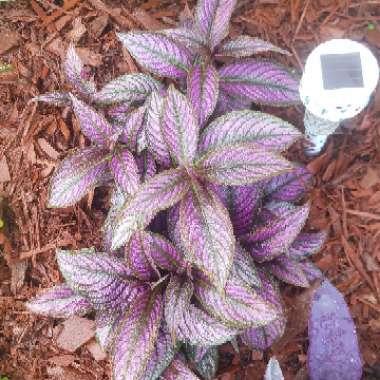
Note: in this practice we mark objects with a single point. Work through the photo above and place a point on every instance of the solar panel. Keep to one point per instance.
(341, 71)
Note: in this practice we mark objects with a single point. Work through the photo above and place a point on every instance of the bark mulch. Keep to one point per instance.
(33, 138)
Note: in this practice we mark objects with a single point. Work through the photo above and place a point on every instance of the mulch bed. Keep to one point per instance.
(33, 138)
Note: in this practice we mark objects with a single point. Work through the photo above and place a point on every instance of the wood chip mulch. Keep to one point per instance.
(33, 138)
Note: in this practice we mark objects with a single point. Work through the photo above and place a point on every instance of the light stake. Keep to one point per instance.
(339, 78)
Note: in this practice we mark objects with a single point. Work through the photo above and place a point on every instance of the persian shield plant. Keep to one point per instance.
(204, 218)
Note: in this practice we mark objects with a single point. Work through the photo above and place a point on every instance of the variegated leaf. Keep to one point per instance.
(178, 370)
(174, 229)
(80, 172)
(212, 18)
(125, 170)
(146, 165)
(263, 337)
(241, 165)
(102, 279)
(161, 357)
(195, 353)
(240, 307)
(132, 128)
(154, 129)
(249, 127)
(58, 99)
(287, 270)
(203, 90)
(136, 337)
(287, 229)
(289, 187)
(159, 54)
(188, 37)
(119, 113)
(245, 46)
(207, 235)
(75, 73)
(261, 81)
(59, 302)
(273, 371)
(127, 88)
(179, 127)
(158, 193)
(92, 123)
(117, 200)
(244, 269)
(139, 259)
(307, 244)
(177, 303)
(107, 322)
(333, 352)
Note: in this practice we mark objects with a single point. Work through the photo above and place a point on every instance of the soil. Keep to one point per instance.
(33, 138)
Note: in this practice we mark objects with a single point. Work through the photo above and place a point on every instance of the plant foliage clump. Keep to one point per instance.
(203, 220)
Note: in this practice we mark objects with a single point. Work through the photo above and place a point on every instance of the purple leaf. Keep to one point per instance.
(154, 124)
(59, 302)
(263, 337)
(284, 232)
(92, 123)
(244, 269)
(158, 193)
(138, 257)
(178, 371)
(146, 165)
(273, 371)
(241, 165)
(203, 90)
(179, 127)
(174, 228)
(240, 306)
(125, 170)
(307, 244)
(245, 46)
(117, 200)
(212, 18)
(74, 71)
(80, 172)
(119, 113)
(158, 53)
(261, 81)
(177, 302)
(207, 235)
(333, 349)
(102, 279)
(132, 128)
(161, 357)
(249, 127)
(195, 353)
(188, 37)
(208, 365)
(58, 99)
(289, 187)
(137, 336)
(127, 88)
(287, 270)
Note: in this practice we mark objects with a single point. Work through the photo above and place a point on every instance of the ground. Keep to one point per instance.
(33, 138)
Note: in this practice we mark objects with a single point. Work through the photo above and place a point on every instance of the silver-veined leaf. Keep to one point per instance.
(241, 165)
(159, 54)
(127, 88)
(158, 193)
(59, 302)
(207, 234)
(80, 172)
(178, 370)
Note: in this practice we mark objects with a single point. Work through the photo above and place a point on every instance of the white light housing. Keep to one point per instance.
(339, 78)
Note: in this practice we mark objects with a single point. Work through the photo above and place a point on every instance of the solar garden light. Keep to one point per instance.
(339, 78)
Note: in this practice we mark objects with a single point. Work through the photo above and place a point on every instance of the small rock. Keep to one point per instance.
(76, 332)
(96, 351)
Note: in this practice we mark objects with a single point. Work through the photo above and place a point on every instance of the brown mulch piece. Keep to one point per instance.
(345, 200)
